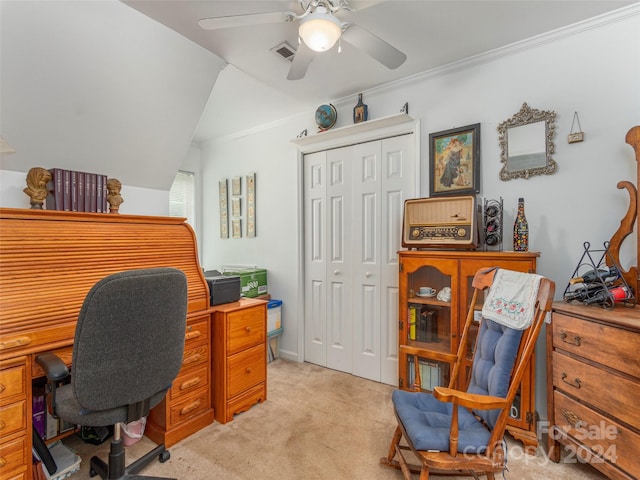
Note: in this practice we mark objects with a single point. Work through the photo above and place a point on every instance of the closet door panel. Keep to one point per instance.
(338, 272)
(397, 184)
(315, 318)
(366, 260)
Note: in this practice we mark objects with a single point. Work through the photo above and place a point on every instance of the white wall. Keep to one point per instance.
(594, 70)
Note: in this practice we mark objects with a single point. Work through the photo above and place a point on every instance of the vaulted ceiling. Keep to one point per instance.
(125, 87)
(432, 33)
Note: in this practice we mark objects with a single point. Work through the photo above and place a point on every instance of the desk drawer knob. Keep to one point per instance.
(190, 408)
(248, 329)
(2, 425)
(2, 388)
(575, 384)
(190, 383)
(575, 341)
(248, 370)
(191, 335)
(192, 358)
(3, 462)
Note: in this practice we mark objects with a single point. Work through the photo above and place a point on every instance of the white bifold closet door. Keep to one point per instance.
(354, 198)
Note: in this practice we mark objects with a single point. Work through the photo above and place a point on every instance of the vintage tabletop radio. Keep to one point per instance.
(440, 222)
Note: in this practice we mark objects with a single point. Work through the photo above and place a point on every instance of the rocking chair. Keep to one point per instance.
(461, 432)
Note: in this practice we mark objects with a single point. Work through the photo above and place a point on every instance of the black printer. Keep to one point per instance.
(222, 288)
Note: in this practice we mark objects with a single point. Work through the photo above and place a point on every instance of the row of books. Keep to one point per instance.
(75, 191)
(430, 374)
(423, 323)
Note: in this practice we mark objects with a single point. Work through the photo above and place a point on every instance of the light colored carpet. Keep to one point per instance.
(317, 424)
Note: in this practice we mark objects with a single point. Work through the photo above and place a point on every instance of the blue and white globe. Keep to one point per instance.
(326, 116)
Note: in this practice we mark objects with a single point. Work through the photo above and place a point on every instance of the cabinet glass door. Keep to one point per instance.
(429, 309)
(429, 338)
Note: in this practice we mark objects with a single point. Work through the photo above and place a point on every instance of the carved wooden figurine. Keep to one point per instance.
(37, 179)
(114, 198)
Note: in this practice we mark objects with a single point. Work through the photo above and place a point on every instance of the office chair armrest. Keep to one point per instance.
(56, 371)
(53, 366)
(469, 400)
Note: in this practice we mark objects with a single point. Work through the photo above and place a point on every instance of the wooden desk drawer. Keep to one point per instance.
(246, 400)
(195, 356)
(197, 333)
(189, 380)
(247, 327)
(13, 384)
(13, 456)
(605, 438)
(601, 388)
(190, 407)
(246, 369)
(13, 418)
(614, 347)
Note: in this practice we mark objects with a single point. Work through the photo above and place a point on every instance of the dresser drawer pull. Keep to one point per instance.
(2, 425)
(572, 418)
(3, 462)
(189, 383)
(191, 359)
(16, 342)
(192, 335)
(248, 329)
(575, 341)
(576, 383)
(575, 421)
(248, 370)
(190, 408)
(2, 388)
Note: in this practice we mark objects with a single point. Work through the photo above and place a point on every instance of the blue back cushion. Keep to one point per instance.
(496, 351)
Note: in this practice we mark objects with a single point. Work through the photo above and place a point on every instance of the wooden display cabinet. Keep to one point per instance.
(430, 327)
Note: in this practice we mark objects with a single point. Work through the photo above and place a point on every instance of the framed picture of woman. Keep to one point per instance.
(454, 161)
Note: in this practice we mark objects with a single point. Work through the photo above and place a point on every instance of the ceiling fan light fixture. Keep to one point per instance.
(320, 30)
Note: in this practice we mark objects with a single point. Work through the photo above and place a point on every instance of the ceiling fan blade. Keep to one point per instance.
(374, 46)
(301, 61)
(215, 23)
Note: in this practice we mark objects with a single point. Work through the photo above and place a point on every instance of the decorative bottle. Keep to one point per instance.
(360, 111)
(521, 230)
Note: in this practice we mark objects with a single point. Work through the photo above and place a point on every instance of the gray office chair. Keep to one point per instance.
(128, 348)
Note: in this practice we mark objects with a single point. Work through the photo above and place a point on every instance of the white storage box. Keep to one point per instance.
(274, 315)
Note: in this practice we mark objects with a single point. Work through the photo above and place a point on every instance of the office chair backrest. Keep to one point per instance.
(129, 338)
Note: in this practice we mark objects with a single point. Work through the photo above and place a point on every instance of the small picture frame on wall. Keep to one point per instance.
(236, 210)
(251, 205)
(224, 215)
(454, 161)
(236, 186)
(236, 228)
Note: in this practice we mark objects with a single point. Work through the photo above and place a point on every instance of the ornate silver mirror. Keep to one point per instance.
(526, 144)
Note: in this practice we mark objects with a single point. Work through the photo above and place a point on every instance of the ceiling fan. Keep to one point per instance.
(318, 31)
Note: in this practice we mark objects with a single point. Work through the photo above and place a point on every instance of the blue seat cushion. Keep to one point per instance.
(427, 422)
(496, 351)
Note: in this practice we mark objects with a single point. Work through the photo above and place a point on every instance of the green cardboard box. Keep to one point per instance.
(253, 281)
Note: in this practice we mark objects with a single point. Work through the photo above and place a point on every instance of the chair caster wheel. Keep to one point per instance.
(164, 456)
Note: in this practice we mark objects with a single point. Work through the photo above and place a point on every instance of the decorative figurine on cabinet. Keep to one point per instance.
(37, 179)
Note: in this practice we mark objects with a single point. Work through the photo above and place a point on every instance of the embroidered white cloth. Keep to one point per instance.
(511, 299)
